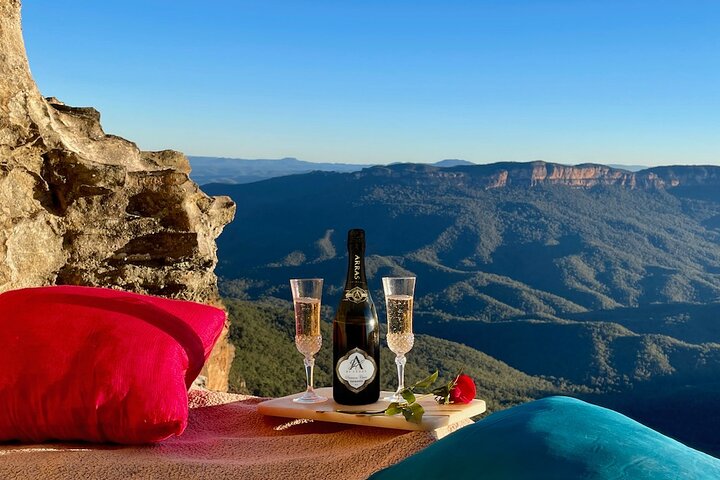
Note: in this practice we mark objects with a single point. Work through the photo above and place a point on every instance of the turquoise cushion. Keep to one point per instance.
(556, 437)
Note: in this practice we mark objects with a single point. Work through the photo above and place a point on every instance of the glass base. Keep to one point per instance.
(309, 397)
(395, 397)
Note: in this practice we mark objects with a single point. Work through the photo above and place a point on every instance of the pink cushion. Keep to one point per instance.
(81, 363)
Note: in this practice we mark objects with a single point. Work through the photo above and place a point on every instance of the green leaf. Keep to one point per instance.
(413, 413)
(425, 382)
(408, 395)
(418, 411)
(393, 409)
(443, 391)
(408, 414)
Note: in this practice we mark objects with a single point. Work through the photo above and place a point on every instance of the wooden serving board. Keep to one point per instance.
(439, 419)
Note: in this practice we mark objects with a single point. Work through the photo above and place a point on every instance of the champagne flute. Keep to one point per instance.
(399, 293)
(307, 294)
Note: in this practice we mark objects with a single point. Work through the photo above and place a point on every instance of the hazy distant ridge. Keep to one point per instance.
(239, 170)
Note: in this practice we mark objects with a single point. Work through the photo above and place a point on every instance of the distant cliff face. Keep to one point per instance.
(78, 206)
(538, 173)
(684, 175)
(531, 174)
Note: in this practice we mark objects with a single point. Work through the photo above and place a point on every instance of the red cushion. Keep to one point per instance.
(81, 363)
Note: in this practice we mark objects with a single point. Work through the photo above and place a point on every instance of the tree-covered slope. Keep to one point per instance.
(268, 364)
(605, 279)
(480, 253)
(602, 355)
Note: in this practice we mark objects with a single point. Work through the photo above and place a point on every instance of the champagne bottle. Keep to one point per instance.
(356, 334)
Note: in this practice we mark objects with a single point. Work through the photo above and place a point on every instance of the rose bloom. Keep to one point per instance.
(464, 390)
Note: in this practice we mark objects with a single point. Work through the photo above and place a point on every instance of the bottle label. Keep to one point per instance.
(356, 370)
(356, 295)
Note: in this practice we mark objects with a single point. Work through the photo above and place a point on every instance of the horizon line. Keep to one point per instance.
(469, 162)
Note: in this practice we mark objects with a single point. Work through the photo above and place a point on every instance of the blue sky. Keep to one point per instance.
(630, 82)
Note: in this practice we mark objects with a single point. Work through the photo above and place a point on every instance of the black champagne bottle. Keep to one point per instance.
(356, 334)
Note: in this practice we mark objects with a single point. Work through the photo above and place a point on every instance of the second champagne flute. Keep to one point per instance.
(399, 293)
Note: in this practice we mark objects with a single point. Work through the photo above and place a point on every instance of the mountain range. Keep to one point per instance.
(604, 279)
(238, 170)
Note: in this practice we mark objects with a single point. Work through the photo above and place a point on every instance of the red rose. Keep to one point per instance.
(464, 389)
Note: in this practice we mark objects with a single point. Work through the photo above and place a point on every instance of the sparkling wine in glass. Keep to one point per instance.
(399, 293)
(307, 293)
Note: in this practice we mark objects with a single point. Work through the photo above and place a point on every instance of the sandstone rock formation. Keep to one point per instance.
(590, 175)
(533, 174)
(78, 206)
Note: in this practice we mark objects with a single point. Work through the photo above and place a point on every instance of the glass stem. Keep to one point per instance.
(400, 362)
(309, 366)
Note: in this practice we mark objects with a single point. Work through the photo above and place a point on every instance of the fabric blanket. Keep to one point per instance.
(557, 438)
(225, 438)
